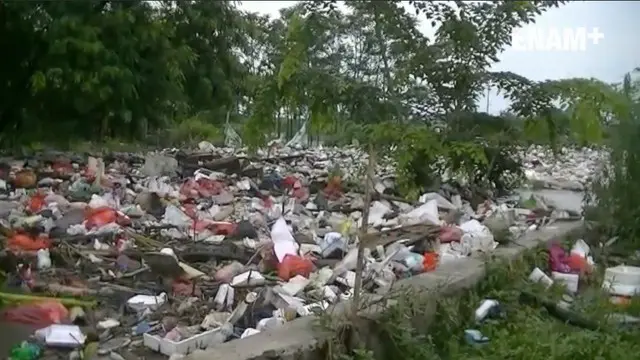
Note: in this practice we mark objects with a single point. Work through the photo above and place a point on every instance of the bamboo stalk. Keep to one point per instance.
(21, 298)
(363, 230)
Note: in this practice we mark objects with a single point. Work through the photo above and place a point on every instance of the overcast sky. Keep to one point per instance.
(614, 54)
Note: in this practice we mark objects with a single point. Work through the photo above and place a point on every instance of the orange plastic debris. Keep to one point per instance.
(578, 263)
(23, 242)
(293, 265)
(104, 215)
(42, 313)
(430, 261)
(36, 203)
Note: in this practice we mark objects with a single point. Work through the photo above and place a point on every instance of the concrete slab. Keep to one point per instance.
(299, 338)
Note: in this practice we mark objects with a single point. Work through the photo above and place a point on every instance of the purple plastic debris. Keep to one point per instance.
(558, 259)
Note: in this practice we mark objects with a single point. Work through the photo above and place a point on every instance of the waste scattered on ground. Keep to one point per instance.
(566, 169)
(568, 291)
(173, 251)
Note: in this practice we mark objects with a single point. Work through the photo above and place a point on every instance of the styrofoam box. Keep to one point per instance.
(569, 280)
(622, 280)
(186, 346)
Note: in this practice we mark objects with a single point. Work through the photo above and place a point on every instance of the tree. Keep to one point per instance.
(105, 69)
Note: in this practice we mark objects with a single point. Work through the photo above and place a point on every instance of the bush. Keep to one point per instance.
(611, 202)
(193, 130)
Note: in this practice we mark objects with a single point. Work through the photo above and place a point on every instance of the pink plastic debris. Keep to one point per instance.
(558, 259)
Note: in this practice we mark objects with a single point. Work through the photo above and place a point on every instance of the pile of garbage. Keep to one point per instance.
(567, 169)
(175, 251)
(584, 292)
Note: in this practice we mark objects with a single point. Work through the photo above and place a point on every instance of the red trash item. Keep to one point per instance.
(36, 203)
(293, 265)
(430, 261)
(42, 313)
(301, 194)
(61, 168)
(266, 201)
(22, 242)
(289, 181)
(450, 234)
(104, 215)
(100, 217)
(191, 210)
(224, 228)
(578, 264)
(208, 187)
(189, 189)
(184, 287)
(558, 259)
(202, 187)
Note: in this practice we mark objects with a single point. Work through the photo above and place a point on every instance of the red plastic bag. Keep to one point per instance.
(208, 187)
(578, 264)
(293, 265)
(430, 261)
(36, 203)
(42, 313)
(22, 242)
(102, 216)
(203, 187)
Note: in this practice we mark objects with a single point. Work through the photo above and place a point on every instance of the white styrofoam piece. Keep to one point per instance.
(569, 280)
(186, 346)
(622, 280)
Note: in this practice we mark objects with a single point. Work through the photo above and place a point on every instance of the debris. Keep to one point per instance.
(622, 280)
(538, 276)
(475, 337)
(200, 247)
(488, 309)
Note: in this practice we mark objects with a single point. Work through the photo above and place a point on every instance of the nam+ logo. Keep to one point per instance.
(555, 39)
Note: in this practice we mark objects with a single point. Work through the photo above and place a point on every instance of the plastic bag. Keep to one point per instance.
(430, 261)
(293, 265)
(99, 217)
(36, 203)
(22, 242)
(558, 259)
(42, 313)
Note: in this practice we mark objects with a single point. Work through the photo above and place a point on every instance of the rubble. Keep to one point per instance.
(567, 169)
(176, 251)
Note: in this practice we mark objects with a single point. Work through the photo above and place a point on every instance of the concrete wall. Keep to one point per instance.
(300, 338)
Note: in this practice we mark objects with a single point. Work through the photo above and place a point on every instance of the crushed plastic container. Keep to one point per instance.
(143, 302)
(67, 336)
